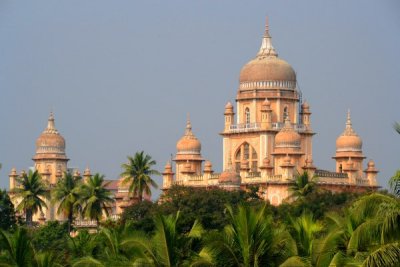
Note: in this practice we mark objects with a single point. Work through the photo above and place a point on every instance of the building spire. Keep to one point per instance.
(349, 127)
(51, 128)
(266, 48)
(188, 130)
(266, 33)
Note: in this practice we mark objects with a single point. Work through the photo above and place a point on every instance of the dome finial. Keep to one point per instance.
(348, 120)
(266, 33)
(266, 48)
(51, 128)
(188, 125)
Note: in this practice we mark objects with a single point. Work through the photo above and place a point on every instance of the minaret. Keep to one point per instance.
(188, 157)
(168, 176)
(229, 114)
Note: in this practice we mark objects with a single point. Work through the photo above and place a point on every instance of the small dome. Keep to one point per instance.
(188, 144)
(50, 141)
(371, 164)
(305, 105)
(349, 139)
(266, 162)
(229, 105)
(229, 177)
(287, 136)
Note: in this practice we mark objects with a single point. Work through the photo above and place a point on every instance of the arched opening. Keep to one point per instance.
(285, 113)
(246, 152)
(247, 115)
(340, 168)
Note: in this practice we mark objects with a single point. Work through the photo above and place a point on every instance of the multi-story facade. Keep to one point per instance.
(268, 140)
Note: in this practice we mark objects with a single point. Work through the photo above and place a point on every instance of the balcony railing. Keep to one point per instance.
(296, 127)
(244, 127)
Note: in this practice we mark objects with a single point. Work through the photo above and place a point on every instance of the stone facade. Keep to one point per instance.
(268, 140)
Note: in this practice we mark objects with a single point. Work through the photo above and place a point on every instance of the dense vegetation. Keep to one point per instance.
(198, 227)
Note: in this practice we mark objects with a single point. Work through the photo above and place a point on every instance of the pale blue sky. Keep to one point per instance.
(122, 75)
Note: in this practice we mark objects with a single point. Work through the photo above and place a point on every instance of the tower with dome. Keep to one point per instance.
(267, 138)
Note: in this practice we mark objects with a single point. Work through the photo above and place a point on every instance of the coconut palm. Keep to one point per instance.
(394, 183)
(95, 198)
(30, 194)
(303, 185)
(368, 234)
(16, 248)
(109, 242)
(66, 194)
(167, 247)
(137, 174)
(305, 231)
(251, 239)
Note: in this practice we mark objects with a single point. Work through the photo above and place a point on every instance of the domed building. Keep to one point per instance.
(268, 140)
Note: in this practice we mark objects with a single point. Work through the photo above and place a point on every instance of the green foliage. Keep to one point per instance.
(302, 186)
(394, 183)
(15, 248)
(32, 193)
(140, 215)
(7, 218)
(94, 197)
(350, 230)
(52, 236)
(208, 206)
(137, 174)
(67, 194)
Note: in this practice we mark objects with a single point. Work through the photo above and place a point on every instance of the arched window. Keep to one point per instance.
(340, 168)
(285, 112)
(247, 115)
(247, 152)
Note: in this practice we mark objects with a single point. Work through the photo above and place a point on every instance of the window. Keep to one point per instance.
(340, 168)
(247, 115)
(285, 113)
(247, 152)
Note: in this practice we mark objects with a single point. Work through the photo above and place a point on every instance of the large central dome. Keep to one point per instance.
(266, 69)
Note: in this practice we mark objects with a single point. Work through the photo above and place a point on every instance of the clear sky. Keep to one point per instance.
(121, 76)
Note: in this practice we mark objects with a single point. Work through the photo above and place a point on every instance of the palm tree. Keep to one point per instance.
(305, 231)
(167, 247)
(16, 248)
(367, 235)
(66, 194)
(394, 183)
(30, 192)
(137, 174)
(302, 186)
(95, 197)
(251, 239)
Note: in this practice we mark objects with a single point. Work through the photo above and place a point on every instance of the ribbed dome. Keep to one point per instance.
(188, 144)
(287, 136)
(50, 141)
(267, 67)
(349, 139)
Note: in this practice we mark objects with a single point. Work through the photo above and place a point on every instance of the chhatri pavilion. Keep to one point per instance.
(267, 140)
